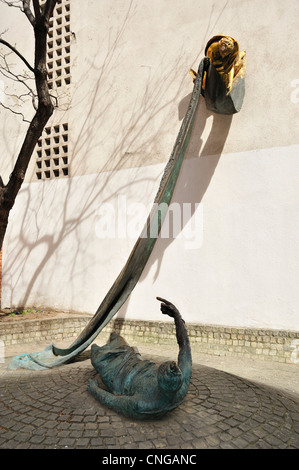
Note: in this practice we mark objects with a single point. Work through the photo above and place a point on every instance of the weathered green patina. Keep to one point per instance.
(142, 389)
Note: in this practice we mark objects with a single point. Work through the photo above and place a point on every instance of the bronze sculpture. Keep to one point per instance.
(141, 389)
(220, 79)
(223, 84)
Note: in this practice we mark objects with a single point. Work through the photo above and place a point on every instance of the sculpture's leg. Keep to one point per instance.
(123, 404)
(115, 336)
(229, 84)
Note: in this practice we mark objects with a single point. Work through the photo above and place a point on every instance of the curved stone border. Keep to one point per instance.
(269, 345)
(52, 409)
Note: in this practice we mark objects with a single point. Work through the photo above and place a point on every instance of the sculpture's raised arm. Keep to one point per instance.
(137, 388)
(184, 358)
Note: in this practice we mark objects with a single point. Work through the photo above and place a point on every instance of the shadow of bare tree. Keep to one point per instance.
(132, 137)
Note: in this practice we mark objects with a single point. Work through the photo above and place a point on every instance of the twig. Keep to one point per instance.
(14, 112)
(2, 41)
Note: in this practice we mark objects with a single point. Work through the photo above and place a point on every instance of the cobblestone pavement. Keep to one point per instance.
(52, 409)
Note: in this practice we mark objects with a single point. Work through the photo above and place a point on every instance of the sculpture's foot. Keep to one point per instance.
(116, 337)
(193, 74)
(113, 336)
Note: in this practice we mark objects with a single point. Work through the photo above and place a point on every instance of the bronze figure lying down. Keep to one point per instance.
(142, 389)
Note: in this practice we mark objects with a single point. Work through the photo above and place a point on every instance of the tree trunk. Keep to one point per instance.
(44, 111)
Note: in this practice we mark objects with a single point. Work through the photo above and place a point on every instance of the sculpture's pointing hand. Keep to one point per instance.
(168, 308)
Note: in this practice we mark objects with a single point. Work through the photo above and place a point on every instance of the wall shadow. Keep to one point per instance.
(190, 188)
(191, 185)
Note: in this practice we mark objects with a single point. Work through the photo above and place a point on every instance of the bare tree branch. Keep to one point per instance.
(18, 54)
(28, 12)
(48, 9)
(36, 7)
(7, 73)
(9, 108)
(15, 3)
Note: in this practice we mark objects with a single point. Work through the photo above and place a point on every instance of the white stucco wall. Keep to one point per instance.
(130, 90)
